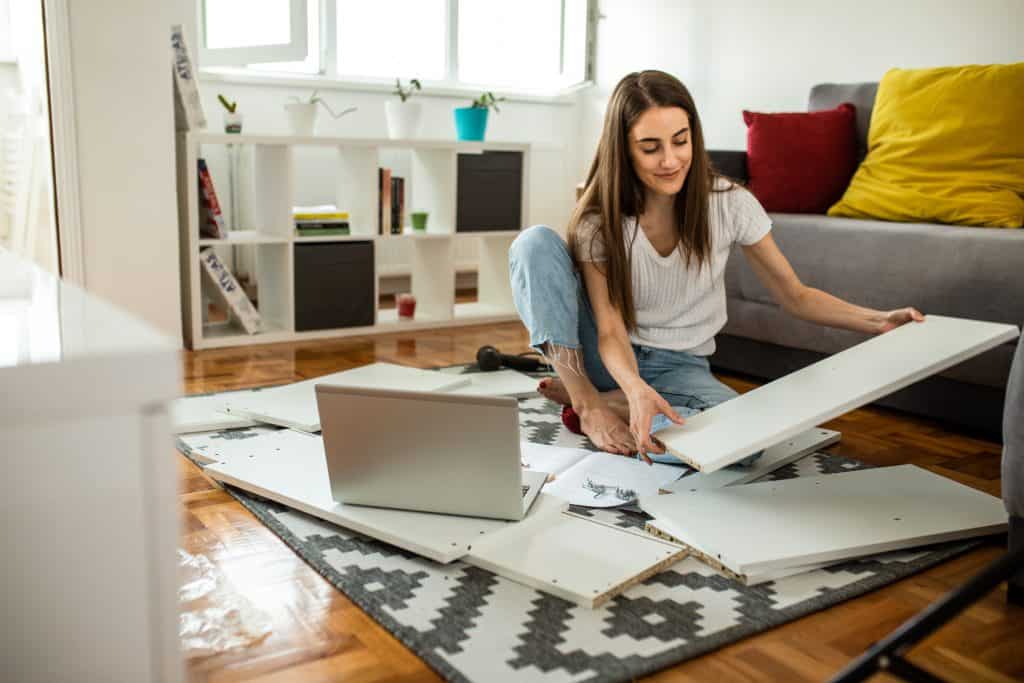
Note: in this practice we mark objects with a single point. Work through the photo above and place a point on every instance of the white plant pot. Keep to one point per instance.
(403, 118)
(302, 117)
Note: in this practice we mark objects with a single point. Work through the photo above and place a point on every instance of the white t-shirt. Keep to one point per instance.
(682, 308)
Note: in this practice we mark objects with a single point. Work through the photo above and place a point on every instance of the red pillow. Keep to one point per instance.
(801, 163)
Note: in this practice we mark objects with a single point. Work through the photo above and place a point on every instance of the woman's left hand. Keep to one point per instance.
(893, 319)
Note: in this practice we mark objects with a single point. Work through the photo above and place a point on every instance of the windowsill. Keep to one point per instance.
(566, 96)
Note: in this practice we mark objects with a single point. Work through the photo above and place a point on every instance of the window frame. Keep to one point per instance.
(295, 49)
(329, 78)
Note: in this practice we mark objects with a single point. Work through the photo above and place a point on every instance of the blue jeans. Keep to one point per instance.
(552, 303)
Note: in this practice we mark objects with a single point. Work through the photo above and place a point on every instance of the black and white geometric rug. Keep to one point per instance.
(470, 625)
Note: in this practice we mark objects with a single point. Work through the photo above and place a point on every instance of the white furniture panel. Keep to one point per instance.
(498, 383)
(773, 458)
(575, 558)
(294, 405)
(204, 414)
(810, 520)
(88, 494)
(296, 476)
(847, 380)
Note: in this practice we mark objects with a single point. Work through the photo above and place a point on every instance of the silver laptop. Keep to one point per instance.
(426, 451)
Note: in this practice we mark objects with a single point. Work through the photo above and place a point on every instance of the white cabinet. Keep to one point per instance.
(430, 168)
(88, 492)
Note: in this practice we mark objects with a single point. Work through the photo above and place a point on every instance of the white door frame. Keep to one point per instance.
(64, 139)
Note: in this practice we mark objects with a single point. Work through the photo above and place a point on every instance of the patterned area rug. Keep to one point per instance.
(470, 625)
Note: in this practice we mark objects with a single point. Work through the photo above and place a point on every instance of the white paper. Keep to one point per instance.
(597, 480)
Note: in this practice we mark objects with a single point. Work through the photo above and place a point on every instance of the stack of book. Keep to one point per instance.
(391, 208)
(320, 221)
(211, 218)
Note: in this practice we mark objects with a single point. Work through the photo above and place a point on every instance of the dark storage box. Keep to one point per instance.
(334, 285)
(490, 192)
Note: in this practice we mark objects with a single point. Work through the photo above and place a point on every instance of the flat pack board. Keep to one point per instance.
(294, 405)
(290, 468)
(779, 455)
(229, 446)
(193, 414)
(774, 412)
(579, 559)
(816, 520)
(498, 383)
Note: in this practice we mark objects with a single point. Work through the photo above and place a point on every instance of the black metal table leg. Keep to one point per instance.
(891, 648)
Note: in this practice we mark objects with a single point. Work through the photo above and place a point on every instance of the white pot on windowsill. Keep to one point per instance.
(403, 118)
(302, 117)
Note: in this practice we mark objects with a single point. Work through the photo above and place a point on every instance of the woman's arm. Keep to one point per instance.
(814, 305)
(616, 352)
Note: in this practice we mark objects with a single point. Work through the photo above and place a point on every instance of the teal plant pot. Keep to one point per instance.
(470, 123)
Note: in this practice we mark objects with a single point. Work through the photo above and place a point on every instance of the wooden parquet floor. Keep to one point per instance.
(319, 635)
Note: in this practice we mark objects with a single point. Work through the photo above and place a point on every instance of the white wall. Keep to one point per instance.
(120, 59)
(745, 54)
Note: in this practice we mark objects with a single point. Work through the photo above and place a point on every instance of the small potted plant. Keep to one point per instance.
(403, 116)
(302, 113)
(471, 121)
(232, 119)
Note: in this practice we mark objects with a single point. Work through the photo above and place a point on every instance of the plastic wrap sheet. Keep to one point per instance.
(213, 617)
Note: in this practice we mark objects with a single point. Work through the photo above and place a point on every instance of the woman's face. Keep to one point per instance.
(659, 145)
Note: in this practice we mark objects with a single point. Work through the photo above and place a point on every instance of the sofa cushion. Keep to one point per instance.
(800, 162)
(860, 95)
(944, 146)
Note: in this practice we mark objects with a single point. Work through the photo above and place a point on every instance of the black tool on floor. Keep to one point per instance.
(490, 359)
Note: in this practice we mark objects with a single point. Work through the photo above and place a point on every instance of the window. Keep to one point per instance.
(234, 31)
(526, 45)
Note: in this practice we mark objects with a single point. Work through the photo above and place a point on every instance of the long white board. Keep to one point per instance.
(204, 414)
(575, 558)
(290, 468)
(773, 458)
(294, 405)
(816, 520)
(774, 412)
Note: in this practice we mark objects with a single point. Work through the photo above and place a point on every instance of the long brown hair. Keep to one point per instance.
(613, 189)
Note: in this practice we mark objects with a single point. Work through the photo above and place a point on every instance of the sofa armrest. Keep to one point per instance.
(730, 163)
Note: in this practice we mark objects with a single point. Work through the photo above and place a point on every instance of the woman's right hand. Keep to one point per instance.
(644, 404)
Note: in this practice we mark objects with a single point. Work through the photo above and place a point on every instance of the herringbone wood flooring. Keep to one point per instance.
(318, 635)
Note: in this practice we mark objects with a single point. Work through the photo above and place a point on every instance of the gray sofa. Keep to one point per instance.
(941, 269)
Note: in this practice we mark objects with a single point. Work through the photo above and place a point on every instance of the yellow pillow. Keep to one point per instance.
(945, 146)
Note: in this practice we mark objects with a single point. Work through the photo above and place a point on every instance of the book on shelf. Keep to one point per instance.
(397, 204)
(211, 218)
(188, 108)
(384, 201)
(321, 232)
(224, 284)
(326, 212)
(321, 225)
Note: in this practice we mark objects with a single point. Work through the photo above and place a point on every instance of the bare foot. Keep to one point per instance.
(553, 389)
(607, 431)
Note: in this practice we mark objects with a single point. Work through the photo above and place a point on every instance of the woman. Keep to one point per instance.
(628, 310)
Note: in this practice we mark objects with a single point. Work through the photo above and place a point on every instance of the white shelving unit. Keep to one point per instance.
(430, 186)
